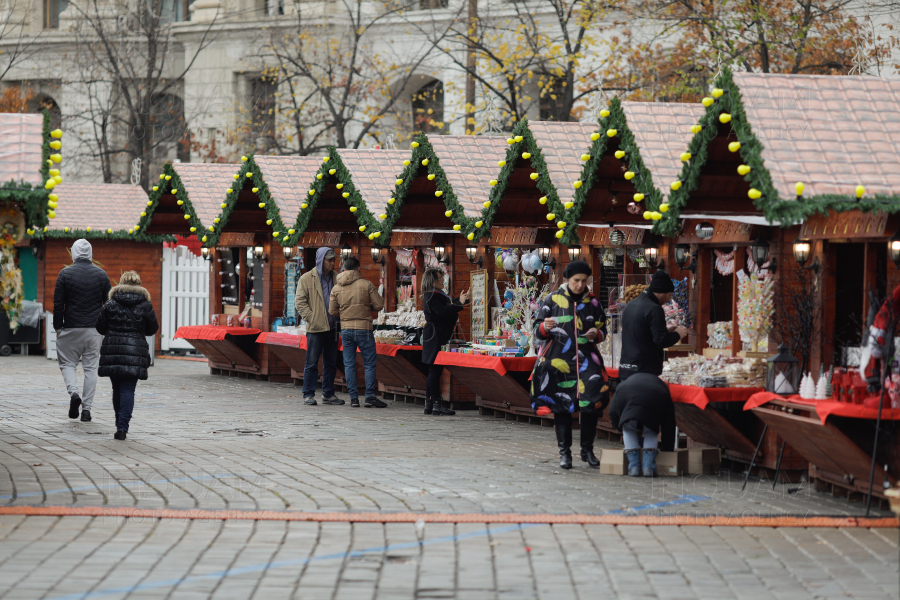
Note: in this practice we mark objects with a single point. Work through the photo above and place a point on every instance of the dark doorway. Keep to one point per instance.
(721, 295)
(848, 296)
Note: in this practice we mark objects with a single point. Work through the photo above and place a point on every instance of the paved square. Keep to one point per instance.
(209, 442)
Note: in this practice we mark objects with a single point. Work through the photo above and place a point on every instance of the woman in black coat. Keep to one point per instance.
(641, 408)
(441, 314)
(125, 321)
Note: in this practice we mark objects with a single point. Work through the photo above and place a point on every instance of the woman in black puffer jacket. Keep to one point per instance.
(125, 321)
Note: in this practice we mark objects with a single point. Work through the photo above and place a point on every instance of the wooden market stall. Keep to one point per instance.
(25, 209)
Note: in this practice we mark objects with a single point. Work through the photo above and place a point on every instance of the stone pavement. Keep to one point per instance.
(199, 441)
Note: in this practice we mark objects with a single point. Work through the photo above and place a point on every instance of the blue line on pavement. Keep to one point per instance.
(260, 567)
(123, 484)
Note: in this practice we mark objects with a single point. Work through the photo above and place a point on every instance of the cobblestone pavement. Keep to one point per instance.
(199, 441)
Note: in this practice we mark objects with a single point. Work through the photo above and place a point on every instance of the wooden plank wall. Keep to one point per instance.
(115, 257)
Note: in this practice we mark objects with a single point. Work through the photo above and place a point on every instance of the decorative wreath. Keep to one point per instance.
(12, 229)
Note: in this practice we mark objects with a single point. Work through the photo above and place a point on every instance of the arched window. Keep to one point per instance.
(54, 110)
(168, 133)
(428, 109)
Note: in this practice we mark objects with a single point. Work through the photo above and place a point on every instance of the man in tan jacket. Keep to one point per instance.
(321, 328)
(353, 299)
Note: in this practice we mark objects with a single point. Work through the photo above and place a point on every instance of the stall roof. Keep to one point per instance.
(201, 189)
(287, 179)
(562, 145)
(469, 163)
(374, 175)
(97, 211)
(21, 148)
(831, 133)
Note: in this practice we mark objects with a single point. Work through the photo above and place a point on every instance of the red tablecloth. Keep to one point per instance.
(211, 332)
(299, 341)
(700, 397)
(498, 363)
(824, 408)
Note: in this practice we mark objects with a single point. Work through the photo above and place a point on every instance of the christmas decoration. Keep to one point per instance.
(12, 229)
(755, 308)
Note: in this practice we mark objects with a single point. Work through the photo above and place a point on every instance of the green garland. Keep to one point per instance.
(775, 209)
(104, 234)
(642, 181)
(169, 183)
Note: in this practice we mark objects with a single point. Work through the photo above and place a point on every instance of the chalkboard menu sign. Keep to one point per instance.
(609, 279)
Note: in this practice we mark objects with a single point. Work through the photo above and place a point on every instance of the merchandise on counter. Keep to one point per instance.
(719, 334)
(415, 319)
(821, 393)
(755, 308)
(390, 336)
(682, 308)
(698, 371)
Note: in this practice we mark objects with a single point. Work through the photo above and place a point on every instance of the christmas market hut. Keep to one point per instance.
(105, 215)
(29, 169)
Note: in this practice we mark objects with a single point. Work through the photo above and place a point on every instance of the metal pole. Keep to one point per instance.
(778, 463)
(887, 370)
(755, 454)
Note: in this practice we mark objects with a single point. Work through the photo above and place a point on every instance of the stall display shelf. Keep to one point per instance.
(227, 348)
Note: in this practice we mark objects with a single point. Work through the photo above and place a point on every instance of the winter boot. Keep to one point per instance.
(588, 433)
(438, 408)
(564, 441)
(649, 466)
(120, 435)
(86, 416)
(634, 461)
(429, 404)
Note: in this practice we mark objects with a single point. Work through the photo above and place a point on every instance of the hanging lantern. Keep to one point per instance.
(206, 254)
(705, 230)
(783, 373)
(471, 253)
(651, 255)
(682, 253)
(894, 248)
(802, 249)
(346, 251)
(544, 254)
(574, 253)
(616, 237)
(377, 255)
(440, 252)
(759, 250)
(288, 252)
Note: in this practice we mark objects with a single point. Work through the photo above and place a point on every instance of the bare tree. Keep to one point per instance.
(16, 46)
(127, 65)
(335, 84)
(797, 321)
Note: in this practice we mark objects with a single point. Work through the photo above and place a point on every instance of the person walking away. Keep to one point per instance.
(81, 289)
(353, 299)
(125, 321)
(569, 375)
(311, 301)
(645, 334)
(441, 313)
(641, 408)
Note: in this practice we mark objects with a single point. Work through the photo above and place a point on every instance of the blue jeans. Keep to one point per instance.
(365, 341)
(324, 345)
(123, 401)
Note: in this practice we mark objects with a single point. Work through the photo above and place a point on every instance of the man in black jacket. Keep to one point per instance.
(644, 330)
(81, 290)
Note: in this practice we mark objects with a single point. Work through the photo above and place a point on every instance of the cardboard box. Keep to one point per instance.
(672, 464)
(703, 460)
(613, 462)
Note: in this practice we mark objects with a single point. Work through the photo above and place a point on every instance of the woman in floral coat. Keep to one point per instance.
(569, 375)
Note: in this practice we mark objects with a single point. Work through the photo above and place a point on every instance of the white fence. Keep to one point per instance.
(185, 295)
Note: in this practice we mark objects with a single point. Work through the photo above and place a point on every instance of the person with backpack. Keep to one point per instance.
(125, 321)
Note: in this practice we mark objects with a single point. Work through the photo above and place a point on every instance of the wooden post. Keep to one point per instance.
(420, 270)
(702, 295)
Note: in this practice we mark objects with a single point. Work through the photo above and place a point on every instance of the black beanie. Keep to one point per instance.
(661, 283)
(579, 267)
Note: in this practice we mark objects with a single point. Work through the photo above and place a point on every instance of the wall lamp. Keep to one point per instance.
(802, 249)
(260, 253)
(471, 253)
(682, 254)
(378, 255)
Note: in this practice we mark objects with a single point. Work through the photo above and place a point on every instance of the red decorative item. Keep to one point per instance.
(214, 320)
(232, 321)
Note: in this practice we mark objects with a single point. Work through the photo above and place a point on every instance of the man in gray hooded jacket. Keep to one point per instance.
(322, 329)
(81, 290)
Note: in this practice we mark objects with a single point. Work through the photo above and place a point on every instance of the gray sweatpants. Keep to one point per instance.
(72, 345)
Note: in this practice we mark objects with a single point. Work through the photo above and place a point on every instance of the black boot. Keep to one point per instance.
(588, 432)
(439, 409)
(562, 423)
(429, 404)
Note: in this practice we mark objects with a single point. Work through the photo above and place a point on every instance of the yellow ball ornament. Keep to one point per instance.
(860, 190)
(448, 213)
(248, 175)
(754, 193)
(439, 193)
(353, 209)
(534, 176)
(269, 221)
(734, 146)
(577, 184)
(585, 157)
(203, 239)
(510, 141)
(551, 216)
(332, 171)
(56, 145)
(526, 155)
(478, 224)
(392, 200)
(799, 187)
(492, 182)
(254, 190)
(168, 177)
(543, 200)
(186, 217)
(519, 138)
(405, 163)
(56, 133)
(304, 205)
(319, 176)
(291, 231)
(561, 224)
(326, 159)
(676, 185)
(415, 144)
(243, 159)
(312, 192)
(362, 227)
(569, 205)
(629, 175)
(695, 129)
(620, 154)
(223, 205)
(707, 102)
(743, 169)
(663, 208)
(340, 186)
(611, 133)
(262, 204)
(595, 136)
(457, 227)
(470, 237)
(424, 162)
(399, 182)
(211, 228)
(430, 177)
(382, 216)
(685, 156)
(236, 176)
(487, 204)
(559, 234)
(604, 113)
(724, 118)
(143, 214)
(502, 163)
(229, 190)
(346, 194)
(717, 92)
(638, 197)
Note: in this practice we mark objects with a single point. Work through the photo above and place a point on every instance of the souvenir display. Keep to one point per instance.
(12, 228)
(721, 371)
(724, 262)
(719, 334)
(479, 286)
(755, 308)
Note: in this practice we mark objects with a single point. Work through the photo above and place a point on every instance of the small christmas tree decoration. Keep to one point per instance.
(569, 205)
(269, 221)
(353, 209)
(448, 213)
(604, 113)
(487, 204)
(663, 208)
(457, 227)
(519, 138)
(829, 390)
(551, 216)
(399, 182)
(346, 195)
(585, 157)
(439, 193)
(577, 184)
(340, 186)
(304, 205)
(405, 163)
(478, 224)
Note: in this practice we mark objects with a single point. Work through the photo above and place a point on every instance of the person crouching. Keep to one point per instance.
(125, 321)
(642, 407)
